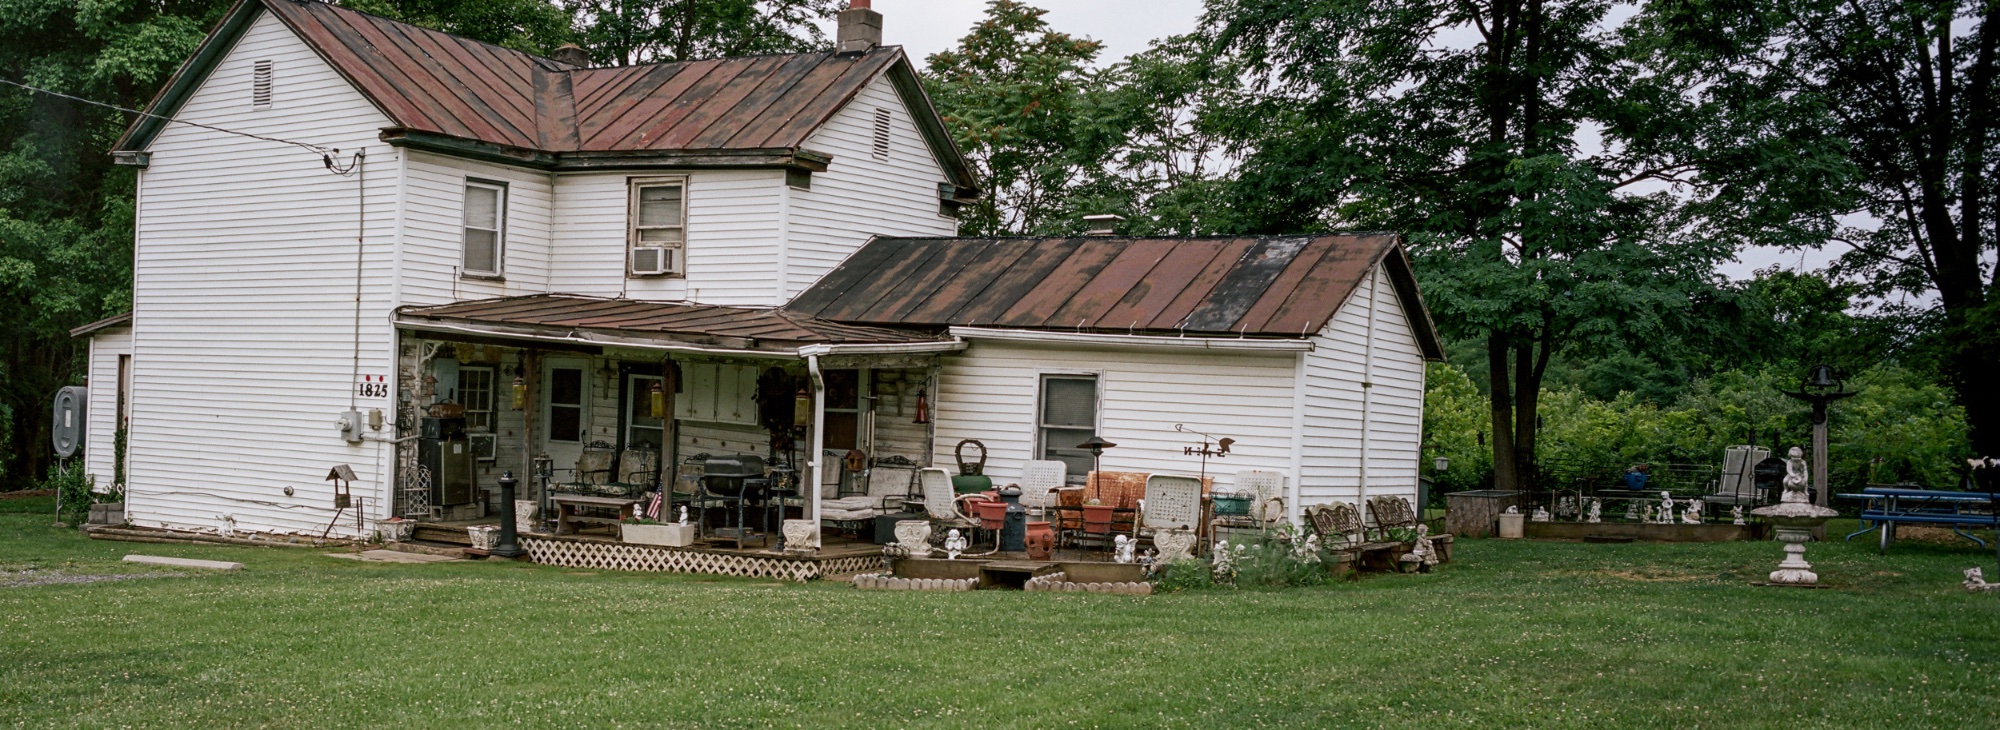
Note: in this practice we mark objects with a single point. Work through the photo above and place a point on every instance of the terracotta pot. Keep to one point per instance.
(991, 514)
(1041, 540)
(1097, 518)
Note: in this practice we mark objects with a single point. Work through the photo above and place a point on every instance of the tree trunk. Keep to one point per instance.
(1527, 402)
(1504, 474)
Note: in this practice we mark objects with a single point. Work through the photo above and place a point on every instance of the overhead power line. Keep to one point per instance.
(326, 154)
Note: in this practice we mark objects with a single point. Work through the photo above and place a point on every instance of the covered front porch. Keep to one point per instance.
(610, 411)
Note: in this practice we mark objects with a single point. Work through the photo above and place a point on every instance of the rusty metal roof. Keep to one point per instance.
(116, 320)
(533, 110)
(1271, 286)
(697, 324)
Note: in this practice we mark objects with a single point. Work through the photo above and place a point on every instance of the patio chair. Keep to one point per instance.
(1738, 486)
(1340, 530)
(638, 472)
(941, 503)
(1171, 503)
(1394, 512)
(1039, 482)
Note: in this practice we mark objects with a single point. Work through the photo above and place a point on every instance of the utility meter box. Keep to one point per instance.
(350, 426)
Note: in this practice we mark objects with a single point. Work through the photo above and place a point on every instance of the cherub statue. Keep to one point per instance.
(1666, 513)
(1121, 549)
(1422, 553)
(1632, 511)
(1736, 515)
(1541, 515)
(1692, 515)
(684, 515)
(954, 543)
(1596, 512)
(1646, 512)
(1223, 562)
(1795, 476)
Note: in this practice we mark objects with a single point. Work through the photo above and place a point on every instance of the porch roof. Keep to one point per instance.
(681, 325)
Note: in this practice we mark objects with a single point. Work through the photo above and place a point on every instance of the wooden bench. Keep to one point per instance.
(571, 510)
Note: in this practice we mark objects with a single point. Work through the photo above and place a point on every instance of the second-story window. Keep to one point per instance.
(485, 228)
(658, 237)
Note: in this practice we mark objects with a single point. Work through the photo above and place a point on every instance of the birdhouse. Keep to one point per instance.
(343, 480)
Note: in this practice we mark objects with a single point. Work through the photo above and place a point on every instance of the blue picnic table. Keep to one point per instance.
(1888, 506)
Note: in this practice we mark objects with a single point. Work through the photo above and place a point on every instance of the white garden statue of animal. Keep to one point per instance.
(1692, 516)
(1541, 515)
(1736, 515)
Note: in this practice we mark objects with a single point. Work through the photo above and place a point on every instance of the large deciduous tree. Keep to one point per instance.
(626, 32)
(1558, 196)
(1904, 91)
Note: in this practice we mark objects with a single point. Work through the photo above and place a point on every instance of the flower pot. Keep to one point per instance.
(483, 536)
(524, 515)
(1513, 526)
(396, 529)
(667, 535)
(992, 515)
(1097, 518)
(1041, 540)
(1232, 505)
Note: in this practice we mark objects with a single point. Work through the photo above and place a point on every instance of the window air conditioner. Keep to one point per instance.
(655, 260)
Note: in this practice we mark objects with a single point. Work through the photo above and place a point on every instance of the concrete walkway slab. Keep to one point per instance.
(392, 556)
(183, 562)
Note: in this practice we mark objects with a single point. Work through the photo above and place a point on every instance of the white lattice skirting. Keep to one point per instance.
(600, 555)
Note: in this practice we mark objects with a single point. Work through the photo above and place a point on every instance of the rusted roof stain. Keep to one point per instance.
(1271, 286)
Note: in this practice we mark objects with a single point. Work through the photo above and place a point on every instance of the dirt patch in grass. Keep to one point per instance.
(1641, 575)
(27, 493)
(1932, 535)
(31, 577)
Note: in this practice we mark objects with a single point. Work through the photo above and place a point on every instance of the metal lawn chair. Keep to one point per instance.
(1169, 513)
(1039, 482)
(1268, 504)
(941, 503)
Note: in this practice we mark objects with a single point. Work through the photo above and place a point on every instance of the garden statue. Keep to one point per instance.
(1223, 563)
(1121, 549)
(1666, 513)
(684, 515)
(954, 543)
(1975, 580)
(1174, 543)
(1794, 517)
(1513, 510)
(1692, 516)
(1646, 512)
(914, 537)
(1566, 506)
(1422, 554)
(1305, 547)
(1541, 515)
(1631, 511)
(1736, 515)
(1596, 513)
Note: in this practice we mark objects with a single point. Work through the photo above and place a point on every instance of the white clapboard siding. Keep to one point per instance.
(1331, 463)
(733, 230)
(434, 234)
(860, 195)
(101, 411)
(991, 390)
(243, 292)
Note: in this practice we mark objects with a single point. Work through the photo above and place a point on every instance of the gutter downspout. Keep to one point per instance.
(1368, 385)
(818, 439)
(395, 373)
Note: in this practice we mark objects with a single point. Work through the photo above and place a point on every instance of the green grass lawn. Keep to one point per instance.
(1512, 634)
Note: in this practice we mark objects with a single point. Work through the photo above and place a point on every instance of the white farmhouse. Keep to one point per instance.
(436, 261)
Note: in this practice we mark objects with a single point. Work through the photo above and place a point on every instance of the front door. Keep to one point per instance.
(565, 412)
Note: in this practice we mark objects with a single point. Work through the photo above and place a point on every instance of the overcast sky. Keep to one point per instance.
(924, 27)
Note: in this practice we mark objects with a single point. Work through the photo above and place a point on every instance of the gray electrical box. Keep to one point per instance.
(69, 427)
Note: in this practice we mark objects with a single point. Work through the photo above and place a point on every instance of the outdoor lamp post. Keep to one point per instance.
(1096, 446)
(1441, 464)
(1820, 388)
(508, 547)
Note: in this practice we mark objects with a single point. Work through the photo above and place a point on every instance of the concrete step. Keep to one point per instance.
(449, 534)
(426, 547)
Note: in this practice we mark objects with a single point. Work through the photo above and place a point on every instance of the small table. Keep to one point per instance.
(570, 507)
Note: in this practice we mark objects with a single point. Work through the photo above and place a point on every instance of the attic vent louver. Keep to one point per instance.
(260, 85)
(882, 133)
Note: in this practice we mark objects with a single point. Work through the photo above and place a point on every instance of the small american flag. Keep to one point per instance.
(653, 507)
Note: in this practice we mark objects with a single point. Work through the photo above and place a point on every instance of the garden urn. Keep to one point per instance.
(1041, 540)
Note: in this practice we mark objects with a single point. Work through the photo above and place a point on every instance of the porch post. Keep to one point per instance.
(818, 441)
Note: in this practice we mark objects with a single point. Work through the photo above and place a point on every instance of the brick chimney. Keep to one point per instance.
(860, 28)
(572, 54)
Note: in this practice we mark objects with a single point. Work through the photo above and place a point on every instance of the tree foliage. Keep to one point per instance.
(627, 32)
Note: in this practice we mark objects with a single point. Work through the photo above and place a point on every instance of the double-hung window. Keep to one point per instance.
(658, 237)
(485, 228)
(1067, 416)
(475, 392)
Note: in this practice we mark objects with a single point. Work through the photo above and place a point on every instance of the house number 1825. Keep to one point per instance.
(372, 386)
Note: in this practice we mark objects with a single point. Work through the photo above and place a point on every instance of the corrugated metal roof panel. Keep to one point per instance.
(669, 319)
(430, 81)
(1271, 286)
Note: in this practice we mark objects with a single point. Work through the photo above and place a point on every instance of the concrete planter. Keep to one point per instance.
(1512, 526)
(667, 535)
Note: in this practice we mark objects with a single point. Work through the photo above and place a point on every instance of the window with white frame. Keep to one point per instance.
(658, 227)
(1066, 417)
(475, 392)
(485, 228)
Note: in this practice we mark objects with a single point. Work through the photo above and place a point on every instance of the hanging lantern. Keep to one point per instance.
(923, 407)
(802, 405)
(520, 393)
(656, 401)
